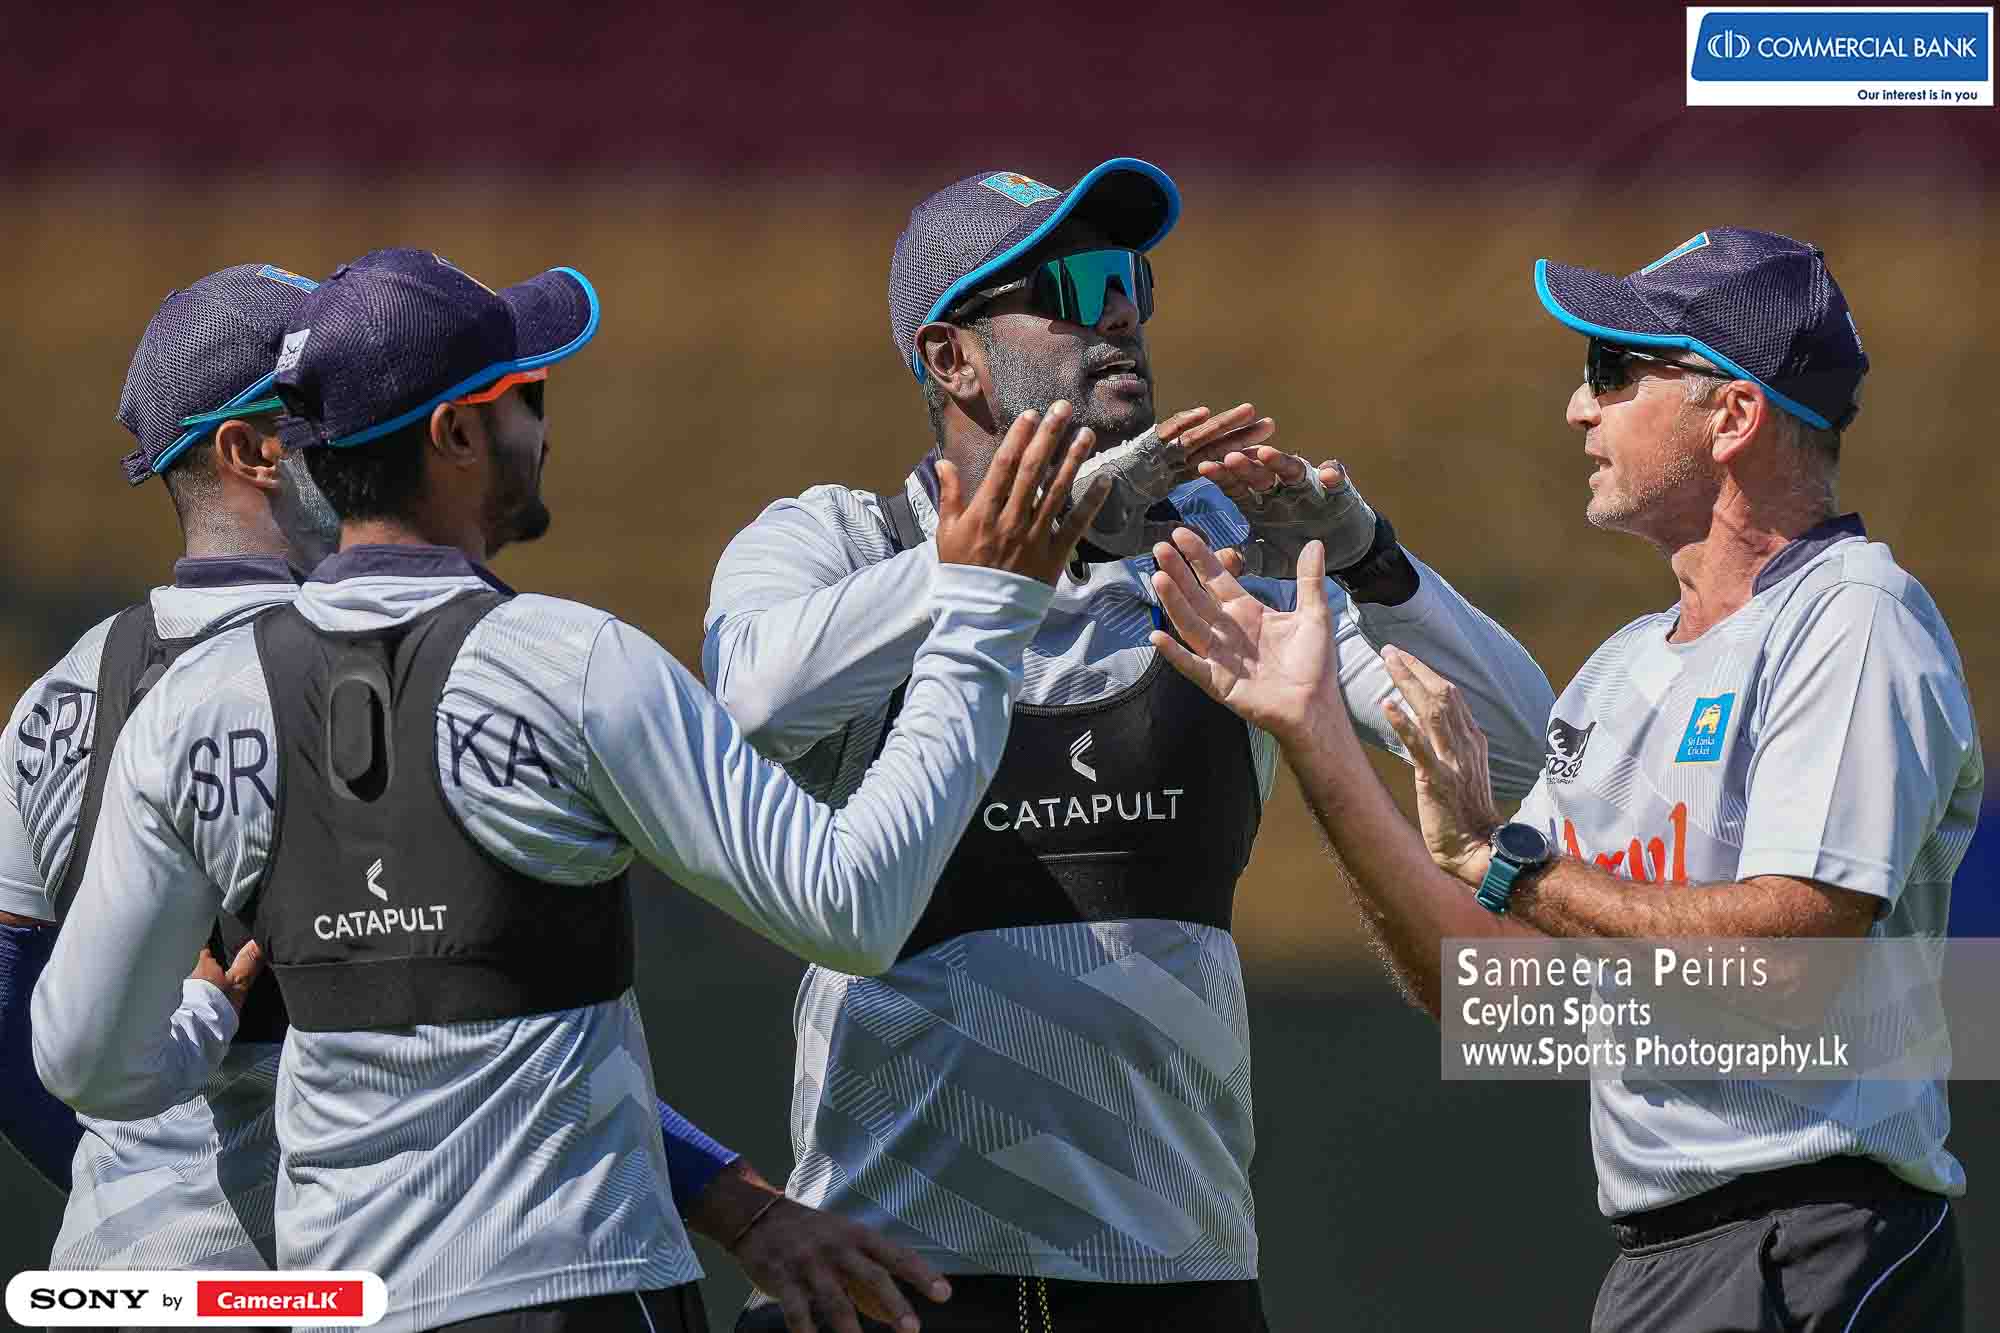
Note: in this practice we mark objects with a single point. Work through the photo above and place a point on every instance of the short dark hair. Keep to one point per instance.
(380, 479)
(192, 482)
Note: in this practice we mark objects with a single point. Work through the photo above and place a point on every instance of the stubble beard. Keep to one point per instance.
(1020, 386)
(1680, 492)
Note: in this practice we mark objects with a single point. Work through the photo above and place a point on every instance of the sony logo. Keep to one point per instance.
(85, 1298)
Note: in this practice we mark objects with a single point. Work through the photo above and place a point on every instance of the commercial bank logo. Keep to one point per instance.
(1727, 45)
(1840, 56)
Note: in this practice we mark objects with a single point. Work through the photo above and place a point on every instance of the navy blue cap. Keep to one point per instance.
(966, 233)
(1761, 306)
(396, 332)
(207, 349)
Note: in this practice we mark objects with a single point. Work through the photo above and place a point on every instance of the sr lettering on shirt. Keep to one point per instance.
(54, 731)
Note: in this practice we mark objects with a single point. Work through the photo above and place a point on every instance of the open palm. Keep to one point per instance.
(1271, 668)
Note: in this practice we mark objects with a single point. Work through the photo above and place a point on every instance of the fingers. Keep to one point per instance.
(1311, 571)
(1072, 529)
(1056, 495)
(1258, 469)
(1433, 682)
(1186, 586)
(1438, 707)
(1289, 469)
(1195, 627)
(1238, 430)
(997, 485)
(249, 962)
(1207, 434)
(1215, 578)
(798, 1310)
(910, 1267)
(951, 493)
(831, 1302)
(1170, 429)
(1196, 669)
(1417, 691)
(1232, 560)
(1041, 452)
(1410, 734)
(876, 1293)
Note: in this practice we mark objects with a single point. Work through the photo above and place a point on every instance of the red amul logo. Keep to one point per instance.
(1635, 859)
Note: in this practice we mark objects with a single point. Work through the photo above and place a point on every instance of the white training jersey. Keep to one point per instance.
(1067, 1100)
(486, 1166)
(193, 1187)
(1823, 732)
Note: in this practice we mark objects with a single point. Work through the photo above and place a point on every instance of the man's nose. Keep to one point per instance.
(1119, 316)
(1582, 411)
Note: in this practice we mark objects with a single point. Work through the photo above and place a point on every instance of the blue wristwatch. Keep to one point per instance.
(1517, 850)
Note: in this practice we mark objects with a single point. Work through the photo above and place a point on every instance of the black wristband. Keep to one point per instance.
(1385, 575)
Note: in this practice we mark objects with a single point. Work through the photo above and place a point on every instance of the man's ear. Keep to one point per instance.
(458, 435)
(245, 452)
(1740, 412)
(955, 361)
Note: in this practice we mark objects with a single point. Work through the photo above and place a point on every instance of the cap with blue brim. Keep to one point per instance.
(392, 335)
(1759, 306)
(971, 231)
(205, 358)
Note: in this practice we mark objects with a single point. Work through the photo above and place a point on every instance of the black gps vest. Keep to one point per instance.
(1143, 804)
(135, 657)
(377, 909)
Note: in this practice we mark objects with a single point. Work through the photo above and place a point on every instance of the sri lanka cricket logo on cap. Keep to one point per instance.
(1023, 190)
(289, 278)
(1707, 730)
(1698, 241)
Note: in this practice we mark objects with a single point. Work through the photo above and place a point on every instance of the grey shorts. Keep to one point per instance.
(1841, 1267)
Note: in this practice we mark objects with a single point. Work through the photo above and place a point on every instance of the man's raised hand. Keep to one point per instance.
(1274, 669)
(1014, 521)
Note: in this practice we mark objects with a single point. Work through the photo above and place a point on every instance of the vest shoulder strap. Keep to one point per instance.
(904, 531)
(120, 673)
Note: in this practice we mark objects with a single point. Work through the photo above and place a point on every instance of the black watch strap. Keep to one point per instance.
(1385, 575)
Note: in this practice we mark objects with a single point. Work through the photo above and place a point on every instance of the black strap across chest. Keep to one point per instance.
(377, 909)
(135, 657)
(1141, 804)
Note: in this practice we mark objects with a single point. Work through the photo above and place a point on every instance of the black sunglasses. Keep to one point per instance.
(1071, 287)
(1607, 367)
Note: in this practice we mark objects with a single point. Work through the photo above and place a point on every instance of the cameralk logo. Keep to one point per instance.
(295, 1299)
(1840, 56)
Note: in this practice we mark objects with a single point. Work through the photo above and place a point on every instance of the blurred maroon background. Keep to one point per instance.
(1448, 86)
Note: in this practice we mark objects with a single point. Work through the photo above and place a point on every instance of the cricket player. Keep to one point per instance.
(1048, 1095)
(193, 1188)
(1788, 751)
(422, 793)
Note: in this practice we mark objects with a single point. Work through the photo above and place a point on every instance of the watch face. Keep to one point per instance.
(1522, 844)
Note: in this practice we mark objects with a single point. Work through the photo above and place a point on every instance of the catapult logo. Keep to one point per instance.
(1839, 56)
(379, 921)
(1015, 814)
(1078, 748)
